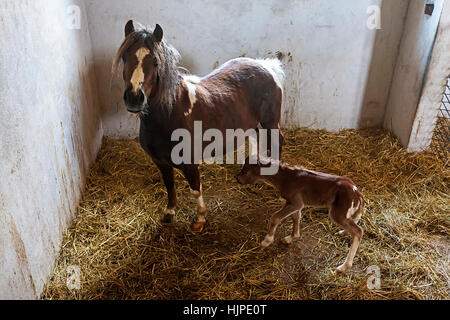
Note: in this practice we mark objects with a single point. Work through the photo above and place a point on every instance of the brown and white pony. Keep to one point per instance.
(242, 94)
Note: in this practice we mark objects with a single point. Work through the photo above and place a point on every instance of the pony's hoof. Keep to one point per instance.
(198, 227)
(168, 219)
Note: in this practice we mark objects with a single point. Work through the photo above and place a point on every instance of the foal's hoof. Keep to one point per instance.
(198, 227)
(168, 219)
(267, 242)
(288, 240)
(342, 233)
(343, 268)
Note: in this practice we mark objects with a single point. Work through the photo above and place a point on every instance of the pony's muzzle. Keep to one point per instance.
(135, 102)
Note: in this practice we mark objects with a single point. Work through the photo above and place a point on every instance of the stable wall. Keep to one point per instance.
(409, 78)
(327, 49)
(434, 87)
(50, 134)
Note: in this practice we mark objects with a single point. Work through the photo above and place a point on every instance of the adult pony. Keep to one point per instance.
(242, 94)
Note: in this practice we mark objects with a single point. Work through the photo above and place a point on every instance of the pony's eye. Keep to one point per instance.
(155, 62)
(124, 59)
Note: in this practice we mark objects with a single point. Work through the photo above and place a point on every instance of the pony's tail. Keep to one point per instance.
(275, 67)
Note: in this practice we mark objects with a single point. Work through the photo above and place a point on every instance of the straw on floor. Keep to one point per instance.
(125, 253)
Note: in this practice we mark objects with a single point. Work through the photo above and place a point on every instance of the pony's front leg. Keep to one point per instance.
(192, 174)
(169, 181)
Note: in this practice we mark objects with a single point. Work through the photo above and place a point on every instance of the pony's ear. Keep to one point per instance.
(129, 28)
(158, 33)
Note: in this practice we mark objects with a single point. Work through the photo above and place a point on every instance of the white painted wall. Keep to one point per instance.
(50, 133)
(384, 58)
(327, 46)
(413, 61)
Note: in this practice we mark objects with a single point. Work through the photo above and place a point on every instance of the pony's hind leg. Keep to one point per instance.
(169, 181)
(271, 121)
(192, 174)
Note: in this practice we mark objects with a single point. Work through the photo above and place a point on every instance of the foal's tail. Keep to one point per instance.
(362, 204)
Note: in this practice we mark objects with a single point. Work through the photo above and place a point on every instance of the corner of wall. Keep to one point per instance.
(410, 70)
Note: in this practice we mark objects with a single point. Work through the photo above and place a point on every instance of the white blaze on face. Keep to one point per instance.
(138, 75)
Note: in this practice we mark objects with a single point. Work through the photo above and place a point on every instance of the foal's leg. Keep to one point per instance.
(275, 221)
(169, 181)
(356, 219)
(356, 232)
(338, 214)
(192, 174)
(295, 228)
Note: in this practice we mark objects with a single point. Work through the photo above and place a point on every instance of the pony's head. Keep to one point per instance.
(149, 68)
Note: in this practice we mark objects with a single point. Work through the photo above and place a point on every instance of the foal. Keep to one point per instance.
(304, 188)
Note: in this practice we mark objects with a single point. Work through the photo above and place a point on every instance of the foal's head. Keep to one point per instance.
(252, 171)
(149, 68)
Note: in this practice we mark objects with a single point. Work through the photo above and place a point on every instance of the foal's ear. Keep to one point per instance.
(158, 33)
(129, 28)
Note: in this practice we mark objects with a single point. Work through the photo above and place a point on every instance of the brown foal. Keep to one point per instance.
(304, 188)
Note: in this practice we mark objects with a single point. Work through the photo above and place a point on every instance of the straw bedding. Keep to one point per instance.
(125, 253)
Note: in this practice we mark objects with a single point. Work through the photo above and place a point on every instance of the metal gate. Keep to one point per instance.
(441, 139)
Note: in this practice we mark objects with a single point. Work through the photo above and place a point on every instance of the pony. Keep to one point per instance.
(242, 94)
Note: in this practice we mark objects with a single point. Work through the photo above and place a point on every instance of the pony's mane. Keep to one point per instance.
(168, 58)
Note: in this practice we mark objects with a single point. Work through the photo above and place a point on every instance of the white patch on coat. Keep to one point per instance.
(192, 79)
(138, 76)
(351, 212)
(191, 82)
(170, 211)
(198, 195)
(275, 68)
(201, 203)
